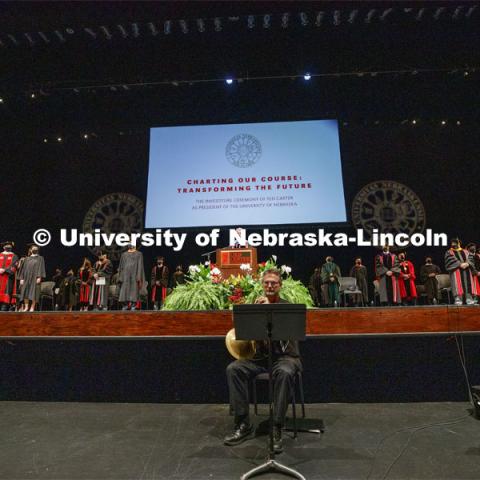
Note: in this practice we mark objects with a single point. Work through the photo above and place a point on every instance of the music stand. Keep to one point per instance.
(272, 321)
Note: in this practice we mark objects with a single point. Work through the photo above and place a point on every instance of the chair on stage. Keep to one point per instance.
(444, 286)
(46, 292)
(348, 286)
(296, 381)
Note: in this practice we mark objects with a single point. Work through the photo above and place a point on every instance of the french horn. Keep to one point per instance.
(240, 349)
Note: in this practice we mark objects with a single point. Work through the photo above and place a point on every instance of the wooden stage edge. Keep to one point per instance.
(433, 320)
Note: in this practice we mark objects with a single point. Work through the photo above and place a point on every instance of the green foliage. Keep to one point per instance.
(206, 290)
(197, 295)
(255, 292)
(295, 291)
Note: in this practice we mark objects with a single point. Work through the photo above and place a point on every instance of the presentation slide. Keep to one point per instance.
(245, 174)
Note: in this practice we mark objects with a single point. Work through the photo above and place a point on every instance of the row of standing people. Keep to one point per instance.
(83, 290)
(396, 279)
(21, 279)
(396, 275)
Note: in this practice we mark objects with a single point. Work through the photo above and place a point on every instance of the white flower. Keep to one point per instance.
(245, 267)
(215, 271)
(286, 269)
(207, 263)
(194, 269)
(274, 258)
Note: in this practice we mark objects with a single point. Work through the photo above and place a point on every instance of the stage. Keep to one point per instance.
(441, 319)
(58, 441)
(398, 354)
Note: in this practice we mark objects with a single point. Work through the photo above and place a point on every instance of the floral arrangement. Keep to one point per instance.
(206, 289)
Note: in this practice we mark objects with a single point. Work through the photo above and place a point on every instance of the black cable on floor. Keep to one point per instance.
(397, 458)
(406, 429)
(463, 362)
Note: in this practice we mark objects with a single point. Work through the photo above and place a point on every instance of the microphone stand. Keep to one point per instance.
(271, 464)
(207, 254)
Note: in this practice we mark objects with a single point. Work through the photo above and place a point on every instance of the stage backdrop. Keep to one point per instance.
(102, 183)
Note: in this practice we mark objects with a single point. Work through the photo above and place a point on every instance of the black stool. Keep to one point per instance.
(296, 379)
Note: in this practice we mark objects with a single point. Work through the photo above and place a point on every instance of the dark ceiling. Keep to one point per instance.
(125, 52)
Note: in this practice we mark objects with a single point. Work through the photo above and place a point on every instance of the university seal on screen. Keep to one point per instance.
(114, 213)
(243, 150)
(389, 207)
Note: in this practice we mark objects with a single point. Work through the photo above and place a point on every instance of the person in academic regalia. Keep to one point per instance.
(359, 272)
(159, 282)
(428, 276)
(330, 275)
(30, 275)
(315, 286)
(131, 276)
(85, 276)
(460, 265)
(57, 279)
(102, 272)
(68, 294)
(19, 305)
(476, 262)
(178, 276)
(475, 259)
(387, 270)
(8, 268)
(240, 232)
(406, 280)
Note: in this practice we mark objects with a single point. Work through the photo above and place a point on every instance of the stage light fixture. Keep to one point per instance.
(307, 76)
(459, 122)
(414, 122)
(85, 136)
(32, 95)
(59, 139)
(45, 140)
(1, 100)
(444, 122)
(229, 81)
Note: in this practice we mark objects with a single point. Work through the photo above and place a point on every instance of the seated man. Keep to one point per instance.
(286, 363)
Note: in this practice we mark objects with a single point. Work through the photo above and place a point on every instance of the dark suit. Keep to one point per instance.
(286, 364)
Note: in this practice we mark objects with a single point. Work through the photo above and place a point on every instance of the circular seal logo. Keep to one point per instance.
(389, 207)
(114, 213)
(243, 150)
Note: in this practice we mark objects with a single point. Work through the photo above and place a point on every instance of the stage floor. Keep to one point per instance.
(165, 441)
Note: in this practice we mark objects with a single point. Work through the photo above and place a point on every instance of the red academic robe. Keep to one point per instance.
(9, 262)
(407, 286)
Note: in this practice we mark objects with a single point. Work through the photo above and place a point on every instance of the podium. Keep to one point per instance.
(229, 259)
